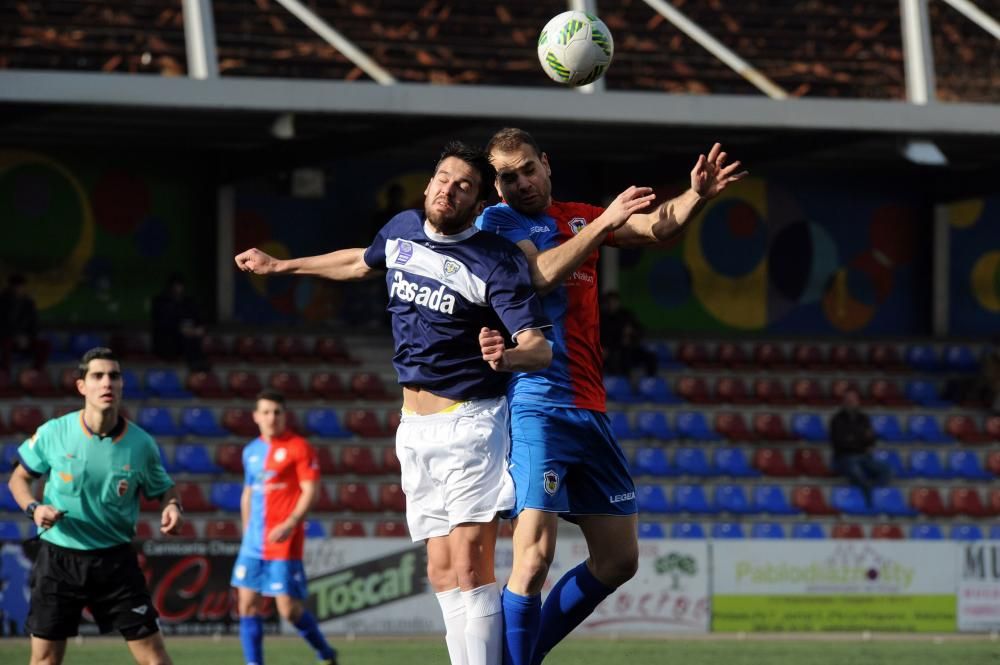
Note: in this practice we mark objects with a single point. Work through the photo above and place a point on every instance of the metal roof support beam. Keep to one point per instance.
(199, 37)
(918, 58)
(590, 7)
(339, 42)
(718, 49)
(977, 16)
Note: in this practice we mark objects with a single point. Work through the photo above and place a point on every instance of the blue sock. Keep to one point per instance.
(521, 615)
(571, 601)
(252, 639)
(309, 630)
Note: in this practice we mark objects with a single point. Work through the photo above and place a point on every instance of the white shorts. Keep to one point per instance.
(454, 466)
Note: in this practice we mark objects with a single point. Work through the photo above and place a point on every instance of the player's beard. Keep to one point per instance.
(453, 221)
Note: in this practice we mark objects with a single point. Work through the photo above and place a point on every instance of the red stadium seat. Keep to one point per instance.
(251, 348)
(325, 503)
(993, 462)
(8, 389)
(839, 387)
(770, 356)
(391, 529)
(809, 462)
(928, 501)
(206, 385)
(733, 356)
(732, 390)
(810, 500)
(733, 426)
(770, 427)
(847, 531)
(887, 393)
(4, 428)
(363, 423)
(131, 347)
(359, 460)
(993, 505)
(808, 356)
(327, 386)
(187, 531)
(390, 463)
(67, 381)
(144, 530)
(771, 462)
(330, 350)
(193, 498)
(809, 391)
(230, 457)
(240, 422)
(694, 389)
(965, 430)
(845, 357)
(695, 355)
(392, 420)
(291, 349)
(368, 385)
(215, 347)
(26, 419)
(966, 501)
(288, 384)
(37, 383)
(992, 428)
(885, 356)
(349, 529)
(391, 498)
(356, 498)
(223, 530)
(771, 391)
(327, 464)
(243, 384)
(887, 532)
(149, 505)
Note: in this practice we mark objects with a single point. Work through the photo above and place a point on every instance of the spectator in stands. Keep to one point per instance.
(281, 476)
(621, 340)
(97, 464)
(853, 439)
(19, 325)
(176, 327)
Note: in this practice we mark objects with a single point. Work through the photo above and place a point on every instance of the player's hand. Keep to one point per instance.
(281, 533)
(710, 174)
(46, 516)
(171, 520)
(631, 201)
(255, 261)
(492, 345)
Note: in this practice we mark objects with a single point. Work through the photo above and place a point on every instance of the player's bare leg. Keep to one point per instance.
(444, 582)
(47, 652)
(534, 548)
(150, 650)
(612, 541)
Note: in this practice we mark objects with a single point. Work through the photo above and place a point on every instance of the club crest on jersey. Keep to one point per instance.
(122, 487)
(550, 482)
(425, 296)
(405, 252)
(451, 267)
(576, 224)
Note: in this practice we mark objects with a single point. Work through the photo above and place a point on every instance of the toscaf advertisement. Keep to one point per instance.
(834, 585)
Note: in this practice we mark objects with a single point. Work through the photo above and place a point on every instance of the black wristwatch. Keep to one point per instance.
(30, 510)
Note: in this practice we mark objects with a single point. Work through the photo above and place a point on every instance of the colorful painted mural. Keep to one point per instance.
(974, 274)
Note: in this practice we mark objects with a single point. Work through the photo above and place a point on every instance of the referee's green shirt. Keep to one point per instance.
(95, 479)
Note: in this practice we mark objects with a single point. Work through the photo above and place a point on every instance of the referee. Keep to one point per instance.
(97, 463)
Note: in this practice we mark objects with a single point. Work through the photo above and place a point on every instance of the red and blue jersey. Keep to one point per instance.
(574, 379)
(273, 471)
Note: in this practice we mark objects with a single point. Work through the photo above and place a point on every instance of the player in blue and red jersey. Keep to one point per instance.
(564, 458)
(281, 473)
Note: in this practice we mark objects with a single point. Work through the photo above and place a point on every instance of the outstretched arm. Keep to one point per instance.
(532, 353)
(709, 177)
(342, 266)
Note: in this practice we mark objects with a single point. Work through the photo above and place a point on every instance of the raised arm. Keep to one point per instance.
(344, 265)
(532, 353)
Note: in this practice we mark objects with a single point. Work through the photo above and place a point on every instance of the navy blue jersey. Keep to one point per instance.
(442, 291)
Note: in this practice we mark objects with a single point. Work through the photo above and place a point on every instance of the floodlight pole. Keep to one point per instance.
(199, 37)
(918, 57)
(977, 16)
(590, 7)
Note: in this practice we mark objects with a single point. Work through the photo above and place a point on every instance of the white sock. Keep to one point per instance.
(453, 609)
(484, 625)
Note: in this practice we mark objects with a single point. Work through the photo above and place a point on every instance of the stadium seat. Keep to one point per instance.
(325, 503)
(847, 531)
(288, 384)
(892, 459)
(197, 421)
(992, 428)
(808, 531)
(694, 389)
(887, 393)
(809, 462)
(651, 530)
(327, 463)
(926, 532)
(655, 389)
(619, 389)
(890, 501)
(392, 420)
(158, 421)
(844, 357)
(809, 357)
(732, 390)
(206, 385)
(355, 497)
(391, 498)
(771, 499)
(8, 456)
(840, 387)
(651, 424)
(165, 384)
(349, 529)
(927, 464)
(144, 530)
(80, 343)
(230, 458)
(925, 393)
(652, 499)
(771, 356)
(771, 462)
(733, 356)
(240, 422)
(732, 499)
(368, 385)
(391, 529)
(965, 464)
(960, 358)
(810, 427)
(966, 501)
(727, 530)
(131, 385)
(928, 501)
(693, 462)
(26, 419)
(243, 384)
(226, 496)
(291, 349)
(36, 383)
(733, 462)
(390, 463)
(188, 531)
(993, 462)
(692, 425)
(994, 533)
(923, 358)
(327, 385)
(887, 532)
(767, 530)
(770, 427)
(886, 427)
(686, 530)
(621, 426)
(215, 347)
(885, 357)
(195, 458)
(965, 532)
(965, 430)
(810, 500)
(810, 392)
(732, 426)
(330, 350)
(325, 423)
(193, 499)
(771, 391)
(251, 348)
(132, 346)
(364, 423)
(695, 355)
(692, 499)
(359, 460)
(315, 529)
(223, 530)
(650, 461)
(7, 502)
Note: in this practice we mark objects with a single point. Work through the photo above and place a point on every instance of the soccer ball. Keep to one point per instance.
(575, 48)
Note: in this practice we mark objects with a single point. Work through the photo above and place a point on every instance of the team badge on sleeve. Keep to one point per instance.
(576, 224)
(550, 481)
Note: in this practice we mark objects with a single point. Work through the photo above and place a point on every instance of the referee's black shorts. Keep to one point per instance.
(108, 581)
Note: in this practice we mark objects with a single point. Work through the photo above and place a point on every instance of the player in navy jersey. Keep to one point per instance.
(564, 457)
(459, 299)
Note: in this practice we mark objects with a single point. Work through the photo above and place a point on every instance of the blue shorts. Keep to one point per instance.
(270, 578)
(566, 460)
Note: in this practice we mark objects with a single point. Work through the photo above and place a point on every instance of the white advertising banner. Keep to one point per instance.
(979, 585)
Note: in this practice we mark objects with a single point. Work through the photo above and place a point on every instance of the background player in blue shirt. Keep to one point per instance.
(456, 295)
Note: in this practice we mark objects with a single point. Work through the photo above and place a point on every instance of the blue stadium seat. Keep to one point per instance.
(965, 464)
(693, 425)
(165, 384)
(687, 530)
(693, 462)
(892, 459)
(727, 530)
(80, 343)
(8, 455)
(771, 499)
(809, 426)
(325, 423)
(652, 499)
(890, 501)
(619, 389)
(734, 462)
(966, 532)
(692, 499)
(652, 462)
(10, 531)
(995, 532)
(924, 393)
(850, 501)
(132, 385)
(7, 500)
(923, 358)
(769, 530)
(226, 496)
(887, 428)
(653, 424)
(960, 358)
(168, 462)
(656, 389)
(664, 356)
(158, 421)
(926, 428)
(926, 532)
(195, 458)
(808, 531)
(314, 529)
(622, 427)
(927, 464)
(651, 530)
(200, 422)
(732, 499)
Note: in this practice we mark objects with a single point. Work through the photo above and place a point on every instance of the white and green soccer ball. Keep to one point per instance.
(575, 48)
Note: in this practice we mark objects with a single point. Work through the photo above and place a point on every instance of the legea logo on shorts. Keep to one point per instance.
(550, 482)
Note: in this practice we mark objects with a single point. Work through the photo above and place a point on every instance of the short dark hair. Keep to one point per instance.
(474, 157)
(271, 396)
(96, 353)
(509, 139)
